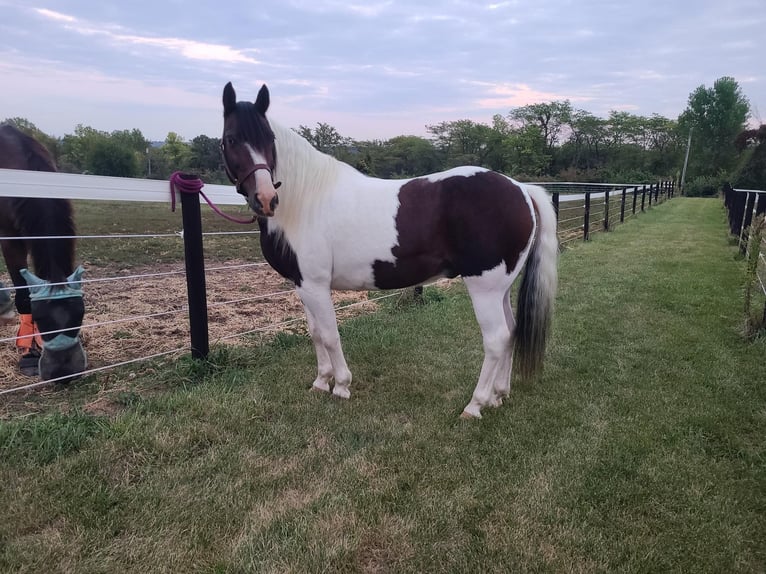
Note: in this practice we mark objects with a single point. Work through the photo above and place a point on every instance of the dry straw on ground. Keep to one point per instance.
(117, 300)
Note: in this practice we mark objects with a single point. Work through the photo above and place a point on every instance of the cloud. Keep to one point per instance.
(189, 49)
(517, 95)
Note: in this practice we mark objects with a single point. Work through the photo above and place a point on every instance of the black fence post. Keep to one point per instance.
(657, 193)
(195, 273)
(556, 206)
(606, 211)
(635, 197)
(643, 197)
(651, 193)
(622, 205)
(586, 217)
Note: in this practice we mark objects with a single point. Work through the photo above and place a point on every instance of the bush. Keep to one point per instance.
(705, 186)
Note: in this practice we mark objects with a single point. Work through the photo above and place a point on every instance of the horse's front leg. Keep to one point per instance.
(7, 314)
(324, 332)
(324, 365)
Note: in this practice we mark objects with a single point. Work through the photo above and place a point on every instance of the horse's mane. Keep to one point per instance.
(36, 155)
(53, 259)
(306, 175)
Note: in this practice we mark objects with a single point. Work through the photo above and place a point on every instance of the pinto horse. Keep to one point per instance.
(49, 301)
(331, 227)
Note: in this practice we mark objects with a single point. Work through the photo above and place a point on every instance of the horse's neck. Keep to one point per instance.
(308, 177)
(52, 259)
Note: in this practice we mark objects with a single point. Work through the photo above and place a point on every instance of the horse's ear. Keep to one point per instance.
(229, 99)
(262, 101)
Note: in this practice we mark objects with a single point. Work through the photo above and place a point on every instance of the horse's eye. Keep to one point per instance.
(231, 140)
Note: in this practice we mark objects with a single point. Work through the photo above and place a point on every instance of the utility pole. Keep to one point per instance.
(686, 161)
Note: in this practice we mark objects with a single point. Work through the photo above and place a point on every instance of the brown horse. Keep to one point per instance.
(49, 301)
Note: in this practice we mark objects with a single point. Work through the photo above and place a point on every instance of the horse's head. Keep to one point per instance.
(249, 153)
(58, 311)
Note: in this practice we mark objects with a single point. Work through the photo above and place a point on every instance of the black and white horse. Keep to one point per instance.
(331, 227)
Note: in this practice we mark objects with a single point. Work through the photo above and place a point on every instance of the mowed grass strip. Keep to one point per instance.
(640, 450)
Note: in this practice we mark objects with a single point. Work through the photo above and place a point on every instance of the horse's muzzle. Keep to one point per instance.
(67, 363)
(265, 209)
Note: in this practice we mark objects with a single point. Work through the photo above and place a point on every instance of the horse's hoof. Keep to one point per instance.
(341, 392)
(29, 364)
(468, 416)
(320, 388)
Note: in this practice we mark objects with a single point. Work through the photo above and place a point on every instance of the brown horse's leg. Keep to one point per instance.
(28, 340)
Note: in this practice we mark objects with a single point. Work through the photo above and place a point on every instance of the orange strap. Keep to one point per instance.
(28, 336)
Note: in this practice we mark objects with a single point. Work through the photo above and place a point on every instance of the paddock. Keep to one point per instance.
(639, 449)
(132, 247)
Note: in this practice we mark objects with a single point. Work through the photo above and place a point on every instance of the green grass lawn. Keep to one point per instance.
(640, 450)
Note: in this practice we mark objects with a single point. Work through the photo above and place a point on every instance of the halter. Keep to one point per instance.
(238, 182)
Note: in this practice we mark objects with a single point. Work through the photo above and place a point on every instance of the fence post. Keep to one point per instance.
(556, 206)
(606, 210)
(622, 205)
(643, 197)
(747, 219)
(195, 273)
(657, 193)
(651, 193)
(635, 197)
(586, 217)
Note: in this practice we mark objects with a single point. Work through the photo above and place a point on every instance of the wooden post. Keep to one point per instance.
(643, 197)
(606, 210)
(195, 274)
(635, 197)
(556, 205)
(651, 193)
(586, 217)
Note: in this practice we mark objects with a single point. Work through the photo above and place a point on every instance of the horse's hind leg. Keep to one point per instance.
(324, 365)
(317, 300)
(488, 294)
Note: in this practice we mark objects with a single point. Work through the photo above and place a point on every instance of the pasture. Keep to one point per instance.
(640, 449)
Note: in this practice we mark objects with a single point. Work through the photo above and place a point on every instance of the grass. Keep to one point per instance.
(640, 450)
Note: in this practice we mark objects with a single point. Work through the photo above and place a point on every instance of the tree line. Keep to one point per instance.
(543, 141)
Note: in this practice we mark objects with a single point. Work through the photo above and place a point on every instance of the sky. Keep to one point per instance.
(373, 69)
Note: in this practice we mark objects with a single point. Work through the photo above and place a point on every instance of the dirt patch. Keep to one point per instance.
(146, 315)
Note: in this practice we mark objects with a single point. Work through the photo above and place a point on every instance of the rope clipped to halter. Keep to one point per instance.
(188, 183)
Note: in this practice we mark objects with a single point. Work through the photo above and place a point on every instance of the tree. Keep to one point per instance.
(205, 157)
(324, 137)
(715, 116)
(550, 118)
(109, 157)
(407, 156)
(176, 153)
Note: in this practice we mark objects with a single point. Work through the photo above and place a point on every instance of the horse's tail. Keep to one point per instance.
(538, 288)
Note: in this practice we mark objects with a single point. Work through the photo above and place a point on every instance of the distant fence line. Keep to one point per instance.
(591, 207)
(581, 209)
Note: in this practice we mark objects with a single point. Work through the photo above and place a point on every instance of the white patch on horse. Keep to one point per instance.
(357, 219)
(465, 171)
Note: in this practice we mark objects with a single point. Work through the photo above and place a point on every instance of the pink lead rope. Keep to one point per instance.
(186, 183)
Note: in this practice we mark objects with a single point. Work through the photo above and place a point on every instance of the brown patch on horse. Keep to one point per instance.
(460, 225)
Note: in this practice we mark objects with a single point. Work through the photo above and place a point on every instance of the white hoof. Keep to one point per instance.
(320, 387)
(471, 412)
(341, 392)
